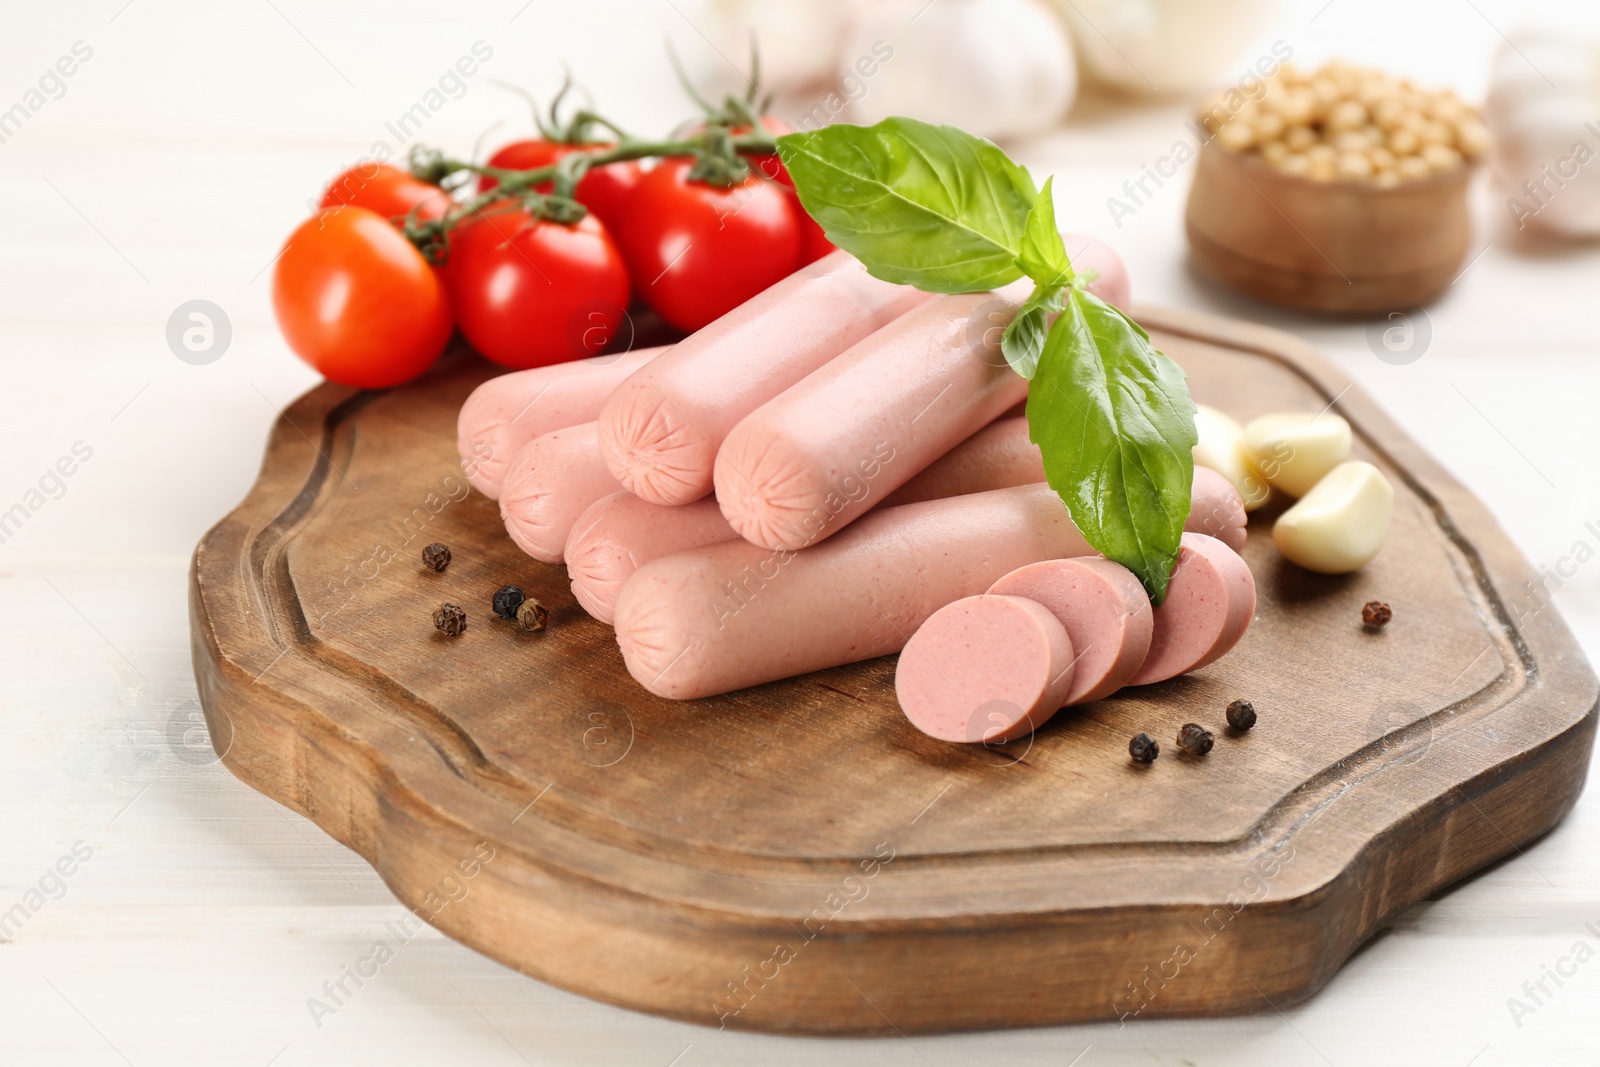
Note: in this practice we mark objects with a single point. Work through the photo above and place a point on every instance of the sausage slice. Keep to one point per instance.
(1105, 610)
(1210, 601)
(985, 669)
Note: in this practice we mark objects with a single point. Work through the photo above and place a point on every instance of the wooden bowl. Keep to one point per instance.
(1339, 246)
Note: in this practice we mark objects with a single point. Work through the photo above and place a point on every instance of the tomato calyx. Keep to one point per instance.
(719, 163)
(720, 160)
(430, 165)
(431, 238)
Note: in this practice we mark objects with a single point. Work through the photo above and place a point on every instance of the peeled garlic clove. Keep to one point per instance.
(1341, 523)
(1294, 450)
(1221, 448)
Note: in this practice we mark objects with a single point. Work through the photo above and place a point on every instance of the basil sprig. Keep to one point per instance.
(947, 212)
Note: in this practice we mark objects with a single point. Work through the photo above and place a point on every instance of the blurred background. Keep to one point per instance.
(190, 138)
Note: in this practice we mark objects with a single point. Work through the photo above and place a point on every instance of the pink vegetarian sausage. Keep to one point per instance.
(996, 457)
(548, 485)
(1090, 253)
(1000, 455)
(807, 463)
(985, 669)
(804, 465)
(1210, 601)
(730, 615)
(661, 430)
(620, 533)
(507, 412)
(1106, 613)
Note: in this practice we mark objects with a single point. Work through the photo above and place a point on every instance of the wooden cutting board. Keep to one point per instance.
(796, 856)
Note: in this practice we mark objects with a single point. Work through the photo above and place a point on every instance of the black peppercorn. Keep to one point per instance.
(1143, 748)
(1241, 715)
(1375, 615)
(533, 615)
(436, 556)
(1194, 739)
(450, 620)
(507, 599)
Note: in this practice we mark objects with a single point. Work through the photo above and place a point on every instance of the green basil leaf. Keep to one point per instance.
(917, 204)
(1115, 423)
(1043, 256)
(1023, 341)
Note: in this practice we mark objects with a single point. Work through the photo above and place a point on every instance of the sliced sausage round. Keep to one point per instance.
(1217, 509)
(1210, 601)
(1105, 611)
(985, 669)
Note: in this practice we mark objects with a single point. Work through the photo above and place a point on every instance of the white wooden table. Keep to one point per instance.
(199, 918)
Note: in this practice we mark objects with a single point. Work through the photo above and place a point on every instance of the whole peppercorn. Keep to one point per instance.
(507, 599)
(1375, 615)
(1194, 739)
(450, 620)
(533, 615)
(1143, 748)
(1241, 715)
(436, 557)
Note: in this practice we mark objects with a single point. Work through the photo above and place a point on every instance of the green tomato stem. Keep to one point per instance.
(429, 236)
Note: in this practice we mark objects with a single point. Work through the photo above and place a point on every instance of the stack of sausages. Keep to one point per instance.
(799, 485)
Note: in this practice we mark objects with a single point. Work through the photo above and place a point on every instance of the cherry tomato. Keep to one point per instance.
(530, 292)
(356, 301)
(813, 243)
(602, 190)
(697, 251)
(389, 191)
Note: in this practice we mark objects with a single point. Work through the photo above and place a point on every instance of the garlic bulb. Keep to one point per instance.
(996, 68)
(1543, 106)
(1164, 46)
(798, 39)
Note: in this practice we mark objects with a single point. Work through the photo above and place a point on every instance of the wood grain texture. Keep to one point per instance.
(796, 856)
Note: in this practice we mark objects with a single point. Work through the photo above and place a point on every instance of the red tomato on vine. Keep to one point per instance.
(356, 301)
(697, 251)
(814, 244)
(602, 190)
(529, 292)
(389, 191)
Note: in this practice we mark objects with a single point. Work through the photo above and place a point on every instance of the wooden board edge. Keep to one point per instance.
(1567, 749)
